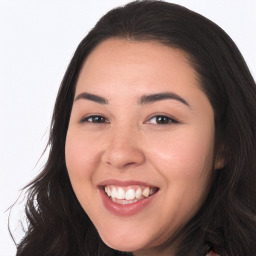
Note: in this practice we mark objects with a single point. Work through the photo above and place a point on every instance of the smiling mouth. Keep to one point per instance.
(128, 194)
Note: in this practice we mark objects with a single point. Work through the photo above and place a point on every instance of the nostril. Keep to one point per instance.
(123, 157)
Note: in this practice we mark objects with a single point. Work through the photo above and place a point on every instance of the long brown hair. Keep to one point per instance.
(57, 224)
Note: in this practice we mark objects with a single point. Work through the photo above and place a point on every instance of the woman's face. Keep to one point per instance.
(142, 130)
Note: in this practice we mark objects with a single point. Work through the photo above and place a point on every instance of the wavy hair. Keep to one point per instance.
(57, 224)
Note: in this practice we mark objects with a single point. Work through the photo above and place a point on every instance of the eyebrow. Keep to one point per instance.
(145, 99)
(151, 98)
(92, 97)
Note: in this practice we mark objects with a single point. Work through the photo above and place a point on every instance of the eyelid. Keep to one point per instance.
(171, 119)
(87, 117)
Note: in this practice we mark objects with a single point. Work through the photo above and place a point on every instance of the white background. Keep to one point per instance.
(37, 41)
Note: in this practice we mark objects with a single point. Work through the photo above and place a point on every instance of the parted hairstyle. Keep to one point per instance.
(226, 222)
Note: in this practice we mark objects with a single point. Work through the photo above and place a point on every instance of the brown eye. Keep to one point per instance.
(162, 120)
(95, 119)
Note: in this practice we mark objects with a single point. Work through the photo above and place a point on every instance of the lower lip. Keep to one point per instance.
(127, 209)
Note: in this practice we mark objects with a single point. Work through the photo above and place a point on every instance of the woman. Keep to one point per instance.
(152, 145)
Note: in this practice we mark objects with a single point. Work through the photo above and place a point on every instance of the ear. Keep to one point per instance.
(220, 160)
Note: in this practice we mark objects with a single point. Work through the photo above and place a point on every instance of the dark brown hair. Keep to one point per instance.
(57, 224)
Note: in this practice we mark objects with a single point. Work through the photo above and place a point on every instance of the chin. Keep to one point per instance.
(124, 244)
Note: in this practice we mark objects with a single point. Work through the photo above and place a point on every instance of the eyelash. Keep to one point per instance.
(159, 120)
(164, 120)
(95, 119)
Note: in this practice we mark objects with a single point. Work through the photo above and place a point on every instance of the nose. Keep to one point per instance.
(123, 150)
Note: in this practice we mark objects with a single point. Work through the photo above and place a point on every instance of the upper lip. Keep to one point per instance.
(124, 183)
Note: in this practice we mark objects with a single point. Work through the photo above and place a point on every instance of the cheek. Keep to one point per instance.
(80, 157)
(185, 156)
(185, 164)
(80, 162)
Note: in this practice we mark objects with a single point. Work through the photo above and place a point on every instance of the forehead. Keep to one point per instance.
(136, 62)
(135, 52)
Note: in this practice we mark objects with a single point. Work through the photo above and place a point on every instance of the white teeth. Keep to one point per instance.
(130, 194)
(114, 193)
(108, 191)
(120, 193)
(138, 193)
(145, 192)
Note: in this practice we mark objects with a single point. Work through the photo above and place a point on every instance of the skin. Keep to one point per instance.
(177, 157)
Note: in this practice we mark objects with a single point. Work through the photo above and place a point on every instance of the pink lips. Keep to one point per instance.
(123, 183)
(127, 209)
